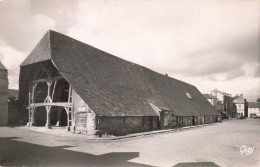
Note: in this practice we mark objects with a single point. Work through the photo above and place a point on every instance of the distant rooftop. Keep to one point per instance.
(208, 96)
(253, 105)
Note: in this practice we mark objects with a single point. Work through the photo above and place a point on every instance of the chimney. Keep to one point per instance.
(241, 95)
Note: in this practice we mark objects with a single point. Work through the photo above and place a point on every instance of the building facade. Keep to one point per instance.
(253, 109)
(240, 105)
(213, 100)
(3, 95)
(220, 95)
(229, 106)
(64, 82)
(224, 103)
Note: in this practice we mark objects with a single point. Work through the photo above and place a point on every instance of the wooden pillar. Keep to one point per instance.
(68, 115)
(29, 113)
(48, 121)
(48, 98)
(32, 116)
(48, 108)
(31, 110)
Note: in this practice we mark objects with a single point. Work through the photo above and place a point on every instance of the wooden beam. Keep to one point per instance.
(47, 79)
(53, 90)
(48, 119)
(69, 97)
(59, 104)
(33, 91)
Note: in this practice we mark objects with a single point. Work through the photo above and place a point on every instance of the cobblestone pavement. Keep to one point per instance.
(209, 146)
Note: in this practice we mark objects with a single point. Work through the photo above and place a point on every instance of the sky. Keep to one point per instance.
(211, 44)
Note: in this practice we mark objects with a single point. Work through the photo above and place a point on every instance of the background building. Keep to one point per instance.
(3, 95)
(229, 106)
(213, 100)
(253, 108)
(224, 103)
(240, 104)
(220, 95)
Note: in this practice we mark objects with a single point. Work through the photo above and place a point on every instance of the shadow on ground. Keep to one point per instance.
(197, 164)
(17, 153)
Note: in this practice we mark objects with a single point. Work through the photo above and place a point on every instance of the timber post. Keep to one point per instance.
(48, 102)
(33, 116)
(48, 121)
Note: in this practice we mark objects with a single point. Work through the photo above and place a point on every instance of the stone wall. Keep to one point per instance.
(125, 125)
(168, 120)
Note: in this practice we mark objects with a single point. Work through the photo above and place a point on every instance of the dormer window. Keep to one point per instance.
(188, 95)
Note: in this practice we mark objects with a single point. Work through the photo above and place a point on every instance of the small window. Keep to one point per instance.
(188, 95)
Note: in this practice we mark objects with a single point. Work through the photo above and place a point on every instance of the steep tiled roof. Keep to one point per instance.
(2, 67)
(112, 86)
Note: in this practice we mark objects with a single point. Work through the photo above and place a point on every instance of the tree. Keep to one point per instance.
(258, 100)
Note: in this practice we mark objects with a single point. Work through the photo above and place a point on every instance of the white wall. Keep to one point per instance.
(240, 108)
(253, 111)
(212, 102)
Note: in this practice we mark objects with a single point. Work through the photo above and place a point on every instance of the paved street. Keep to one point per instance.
(215, 145)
